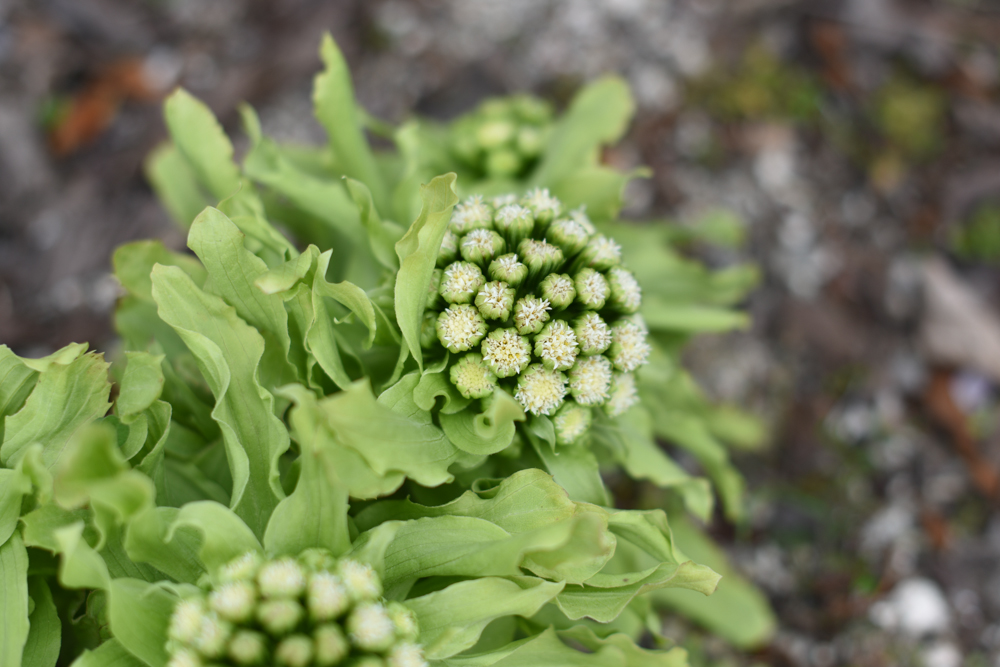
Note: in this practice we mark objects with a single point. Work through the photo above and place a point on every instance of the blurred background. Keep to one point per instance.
(858, 140)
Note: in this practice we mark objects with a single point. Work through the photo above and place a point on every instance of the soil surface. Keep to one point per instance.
(858, 140)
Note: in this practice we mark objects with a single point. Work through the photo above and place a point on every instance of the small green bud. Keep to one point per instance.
(515, 223)
(508, 269)
(542, 205)
(461, 281)
(495, 300)
(626, 295)
(495, 133)
(326, 596)
(213, 635)
(531, 109)
(331, 645)
(558, 290)
(434, 289)
(279, 616)
(541, 391)
(294, 651)
(460, 328)
(590, 380)
(592, 333)
(370, 627)
(506, 353)
(569, 235)
(623, 394)
(185, 658)
(571, 422)
(366, 661)
(428, 330)
(317, 559)
(233, 601)
(601, 253)
(480, 246)
(530, 314)
(405, 621)
(360, 580)
(556, 346)
(539, 256)
(472, 376)
(530, 141)
(243, 568)
(629, 348)
(473, 213)
(185, 622)
(247, 648)
(503, 162)
(591, 288)
(448, 252)
(282, 578)
(407, 655)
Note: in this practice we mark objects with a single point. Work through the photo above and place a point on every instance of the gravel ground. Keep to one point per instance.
(854, 138)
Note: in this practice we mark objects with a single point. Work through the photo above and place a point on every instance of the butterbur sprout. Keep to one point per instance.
(553, 323)
(347, 619)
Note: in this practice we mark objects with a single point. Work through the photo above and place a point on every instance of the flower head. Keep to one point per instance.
(571, 422)
(460, 328)
(460, 282)
(507, 269)
(568, 234)
(480, 246)
(531, 314)
(626, 295)
(495, 300)
(473, 213)
(629, 349)
(623, 394)
(591, 288)
(228, 623)
(590, 380)
(541, 391)
(514, 222)
(544, 206)
(506, 352)
(407, 655)
(473, 377)
(556, 346)
(601, 253)
(540, 257)
(558, 290)
(593, 333)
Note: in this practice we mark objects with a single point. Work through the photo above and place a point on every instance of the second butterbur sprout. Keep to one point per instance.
(313, 610)
(552, 323)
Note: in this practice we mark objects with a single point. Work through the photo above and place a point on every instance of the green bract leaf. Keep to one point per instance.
(139, 613)
(417, 252)
(13, 600)
(337, 111)
(175, 183)
(382, 236)
(228, 353)
(141, 384)
(452, 620)
(315, 514)
(201, 141)
(599, 114)
(80, 388)
(109, 654)
(488, 432)
(224, 536)
(45, 634)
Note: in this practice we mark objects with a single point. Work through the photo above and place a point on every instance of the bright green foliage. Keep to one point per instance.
(275, 401)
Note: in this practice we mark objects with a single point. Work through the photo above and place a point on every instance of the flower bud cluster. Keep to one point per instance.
(310, 611)
(531, 298)
(504, 137)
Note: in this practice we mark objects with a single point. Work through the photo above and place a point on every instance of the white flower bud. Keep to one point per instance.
(460, 327)
(601, 253)
(370, 627)
(240, 569)
(279, 616)
(326, 596)
(213, 635)
(185, 622)
(405, 621)
(495, 300)
(623, 394)
(505, 352)
(294, 651)
(461, 281)
(233, 601)
(626, 295)
(558, 290)
(544, 206)
(480, 246)
(541, 391)
(281, 578)
(530, 314)
(360, 580)
(629, 348)
(185, 658)
(471, 214)
(331, 645)
(590, 380)
(571, 422)
(472, 376)
(593, 333)
(507, 269)
(407, 655)
(591, 289)
(556, 346)
(247, 648)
